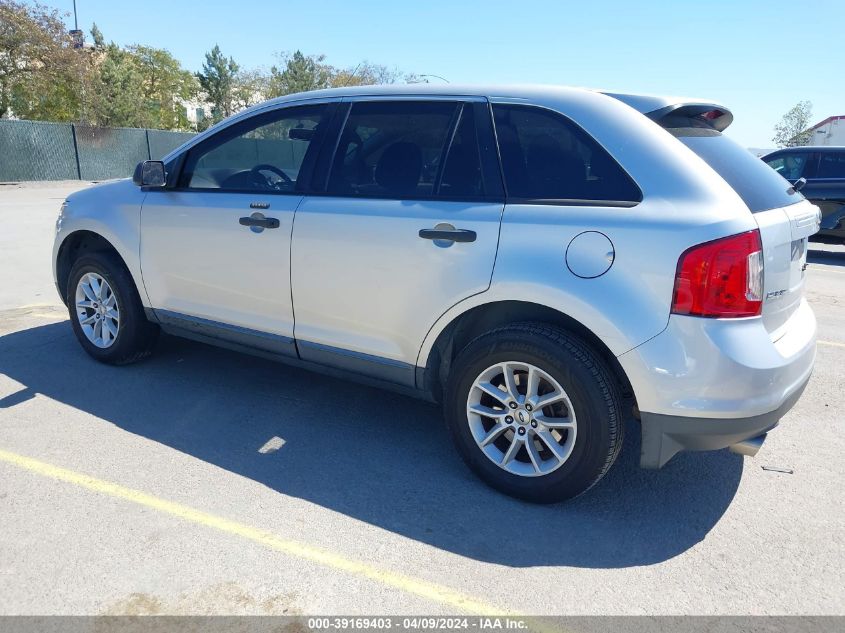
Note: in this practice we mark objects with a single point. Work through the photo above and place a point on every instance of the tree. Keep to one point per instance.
(118, 93)
(368, 74)
(299, 74)
(97, 36)
(793, 128)
(250, 87)
(166, 87)
(41, 75)
(218, 81)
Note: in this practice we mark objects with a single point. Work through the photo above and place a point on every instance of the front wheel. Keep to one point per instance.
(105, 311)
(534, 412)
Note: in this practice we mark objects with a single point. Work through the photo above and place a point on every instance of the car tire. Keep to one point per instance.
(591, 404)
(124, 338)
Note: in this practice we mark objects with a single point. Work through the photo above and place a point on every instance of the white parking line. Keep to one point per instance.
(831, 343)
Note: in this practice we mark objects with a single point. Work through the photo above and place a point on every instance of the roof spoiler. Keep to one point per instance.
(692, 115)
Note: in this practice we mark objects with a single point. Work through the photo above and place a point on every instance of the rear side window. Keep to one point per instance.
(395, 149)
(832, 165)
(545, 156)
(759, 186)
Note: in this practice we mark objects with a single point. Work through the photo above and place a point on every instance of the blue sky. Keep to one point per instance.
(757, 57)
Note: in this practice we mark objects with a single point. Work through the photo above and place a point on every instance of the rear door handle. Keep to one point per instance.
(448, 235)
(264, 223)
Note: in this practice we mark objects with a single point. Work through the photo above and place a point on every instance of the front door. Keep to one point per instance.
(408, 227)
(215, 250)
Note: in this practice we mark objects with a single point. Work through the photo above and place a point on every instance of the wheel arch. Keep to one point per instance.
(73, 246)
(435, 362)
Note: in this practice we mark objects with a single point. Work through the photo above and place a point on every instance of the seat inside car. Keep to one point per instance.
(399, 167)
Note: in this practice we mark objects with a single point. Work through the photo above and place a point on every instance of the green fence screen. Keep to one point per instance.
(36, 150)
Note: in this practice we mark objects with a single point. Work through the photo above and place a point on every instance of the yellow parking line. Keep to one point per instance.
(431, 591)
(826, 269)
(832, 343)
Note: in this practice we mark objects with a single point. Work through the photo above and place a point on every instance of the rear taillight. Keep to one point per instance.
(722, 278)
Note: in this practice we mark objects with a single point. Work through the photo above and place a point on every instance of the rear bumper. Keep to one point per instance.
(663, 436)
(706, 384)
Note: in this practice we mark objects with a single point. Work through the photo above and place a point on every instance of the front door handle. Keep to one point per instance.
(259, 222)
(448, 234)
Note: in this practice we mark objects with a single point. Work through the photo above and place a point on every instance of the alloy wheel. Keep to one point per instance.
(97, 310)
(521, 419)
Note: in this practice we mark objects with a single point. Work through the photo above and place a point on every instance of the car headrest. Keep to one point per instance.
(399, 168)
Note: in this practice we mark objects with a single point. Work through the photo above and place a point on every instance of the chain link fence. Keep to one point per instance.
(37, 150)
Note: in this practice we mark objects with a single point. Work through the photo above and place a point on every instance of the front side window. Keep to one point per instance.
(547, 157)
(790, 166)
(394, 149)
(264, 153)
(832, 165)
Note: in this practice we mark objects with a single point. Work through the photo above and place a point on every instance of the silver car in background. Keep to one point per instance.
(542, 261)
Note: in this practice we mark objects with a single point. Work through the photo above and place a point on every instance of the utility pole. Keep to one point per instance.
(76, 35)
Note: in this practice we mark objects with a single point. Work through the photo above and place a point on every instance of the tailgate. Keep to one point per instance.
(784, 234)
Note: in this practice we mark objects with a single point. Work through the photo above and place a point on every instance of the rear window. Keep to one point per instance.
(759, 186)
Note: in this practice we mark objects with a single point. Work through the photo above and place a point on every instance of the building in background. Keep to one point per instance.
(831, 131)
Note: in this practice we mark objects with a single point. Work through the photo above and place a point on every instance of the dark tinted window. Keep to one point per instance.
(831, 165)
(760, 187)
(462, 171)
(264, 153)
(790, 165)
(392, 149)
(546, 156)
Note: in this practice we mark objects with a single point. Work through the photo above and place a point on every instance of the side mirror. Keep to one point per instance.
(798, 186)
(150, 173)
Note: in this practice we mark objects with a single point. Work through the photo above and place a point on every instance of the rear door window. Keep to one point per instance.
(832, 165)
(462, 170)
(393, 149)
(759, 186)
(546, 157)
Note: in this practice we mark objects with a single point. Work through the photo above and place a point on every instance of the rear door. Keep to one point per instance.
(406, 226)
(784, 217)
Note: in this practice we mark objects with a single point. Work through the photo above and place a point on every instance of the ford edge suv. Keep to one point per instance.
(542, 261)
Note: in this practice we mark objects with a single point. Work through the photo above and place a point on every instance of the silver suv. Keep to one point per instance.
(544, 262)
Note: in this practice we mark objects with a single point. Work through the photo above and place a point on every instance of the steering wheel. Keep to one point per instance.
(272, 168)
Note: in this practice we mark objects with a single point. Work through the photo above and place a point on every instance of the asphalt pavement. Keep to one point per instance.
(202, 481)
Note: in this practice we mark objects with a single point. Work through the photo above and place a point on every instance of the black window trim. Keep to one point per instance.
(326, 159)
(236, 128)
(560, 202)
(457, 116)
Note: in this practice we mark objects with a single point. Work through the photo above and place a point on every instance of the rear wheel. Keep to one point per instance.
(105, 311)
(534, 412)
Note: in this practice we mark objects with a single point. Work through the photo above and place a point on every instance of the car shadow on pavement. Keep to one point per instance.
(375, 456)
